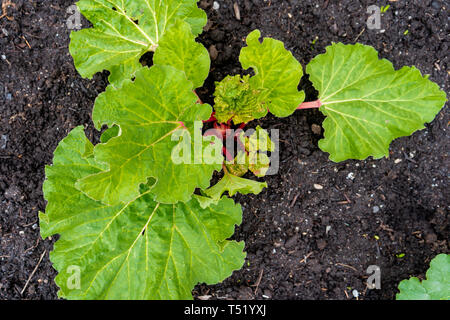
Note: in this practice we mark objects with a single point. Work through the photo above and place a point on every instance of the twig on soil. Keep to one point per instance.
(347, 200)
(386, 228)
(33, 247)
(346, 266)
(32, 273)
(26, 41)
(360, 34)
(408, 158)
(306, 258)
(258, 281)
(237, 11)
(29, 224)
(345, 291)
(295, 200)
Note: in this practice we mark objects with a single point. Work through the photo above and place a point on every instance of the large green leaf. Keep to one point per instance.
(158, 106)
(140, 249)
(123, 30)
(277, 74)
(179, 49)
(367, 102)
(435, 287)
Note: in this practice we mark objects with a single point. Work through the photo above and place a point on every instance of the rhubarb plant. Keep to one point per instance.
(436, 286)
(136, 213)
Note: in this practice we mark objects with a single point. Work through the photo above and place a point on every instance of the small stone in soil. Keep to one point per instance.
(213, 53)
(267, 294)
(216, 5)
(435, 5)
(3, 141)
(321, 244)
(318, 186)
(316, 129)
(376, 209)
(12, 192)
(430, 238)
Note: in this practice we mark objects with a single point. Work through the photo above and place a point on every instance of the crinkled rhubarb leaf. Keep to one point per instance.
(236, 100)
(124, 30)
(252, 154)
(259, 163)
(140, 249)
(179, 49)
(153, 112)
(277, 74)
(259, 141)
(367, 102)
(234, 184)
(435, 287)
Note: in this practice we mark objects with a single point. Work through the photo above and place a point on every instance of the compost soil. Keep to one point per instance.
(319, 225)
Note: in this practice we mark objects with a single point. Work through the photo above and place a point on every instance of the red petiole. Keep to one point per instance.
(310, 105)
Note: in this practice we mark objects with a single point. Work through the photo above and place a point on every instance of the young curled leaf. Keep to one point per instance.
(252, 154)
(259, 141)
(236, 100)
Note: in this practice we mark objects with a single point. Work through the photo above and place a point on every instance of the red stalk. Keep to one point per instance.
(310, 105)
(211, 119)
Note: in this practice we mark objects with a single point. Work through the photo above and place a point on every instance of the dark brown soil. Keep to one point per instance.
(392, 206)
